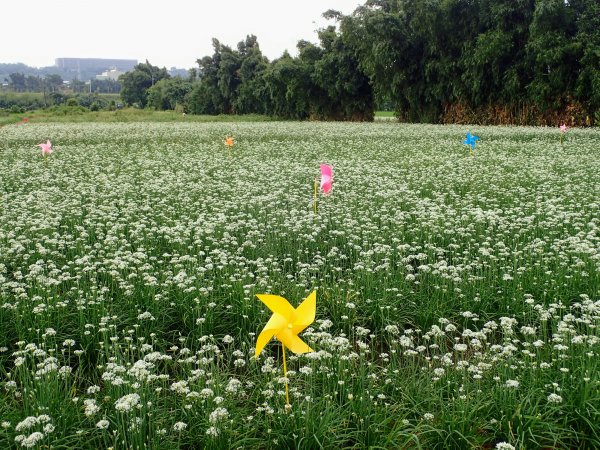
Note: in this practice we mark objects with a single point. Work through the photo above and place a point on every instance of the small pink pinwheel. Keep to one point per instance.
(326, 178)
(563, 130)
(46, 148)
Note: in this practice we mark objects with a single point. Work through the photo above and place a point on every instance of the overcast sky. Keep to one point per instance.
(176, 33)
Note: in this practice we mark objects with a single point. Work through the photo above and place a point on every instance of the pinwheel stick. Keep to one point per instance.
(314, 208)
(287, 393)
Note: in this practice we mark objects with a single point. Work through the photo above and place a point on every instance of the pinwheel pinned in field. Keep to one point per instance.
(470, 141)
(563, 130)
(229, 142)
(326, 178)
(285, 324)
(326, 183)
(46, 150)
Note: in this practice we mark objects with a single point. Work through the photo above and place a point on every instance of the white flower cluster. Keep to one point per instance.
(127, 402)
(43, 421)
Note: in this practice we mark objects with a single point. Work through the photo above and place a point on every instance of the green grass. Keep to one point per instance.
(66, 114)
(8, 119)
(457, 296)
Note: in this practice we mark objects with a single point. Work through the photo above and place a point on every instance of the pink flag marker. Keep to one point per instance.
(326, 178)
(46, 148)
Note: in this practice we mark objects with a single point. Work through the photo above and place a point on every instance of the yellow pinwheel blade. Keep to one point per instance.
(275, 323)
(292, 341)
(305, 313)
(278, 305)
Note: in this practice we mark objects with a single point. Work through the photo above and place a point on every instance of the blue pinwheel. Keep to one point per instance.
(470, 140)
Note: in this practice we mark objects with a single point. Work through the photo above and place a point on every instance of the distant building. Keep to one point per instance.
(175, 72)
(112, 74)
(95, 63)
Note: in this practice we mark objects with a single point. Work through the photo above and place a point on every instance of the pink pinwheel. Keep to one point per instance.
(326, 178)
(46, 148)
(563, 130)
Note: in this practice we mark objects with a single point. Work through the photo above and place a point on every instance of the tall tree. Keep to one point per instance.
(251, 95)
(553, 53)
(168, 93)
(17, 82)
(135, 84)
(587, 19)
(206, 96)
(54, 82)
(336, 72)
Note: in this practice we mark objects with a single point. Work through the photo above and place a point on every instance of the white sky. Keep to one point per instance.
(167, 33)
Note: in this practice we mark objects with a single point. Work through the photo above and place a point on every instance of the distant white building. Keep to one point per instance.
(112, 74)
(95, 63)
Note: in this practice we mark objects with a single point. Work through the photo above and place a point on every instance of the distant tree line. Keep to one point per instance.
(481, 61)
(19, 82)
(67, 103)
(322, 82)
(441, 61)
(513, 61)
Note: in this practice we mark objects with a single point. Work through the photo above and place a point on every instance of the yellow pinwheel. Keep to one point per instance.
(285, 324)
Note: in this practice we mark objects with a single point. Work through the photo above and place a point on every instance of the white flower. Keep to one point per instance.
(90, 407)
(306, 370)
(554, 398)
(512, 384)
(27, 423)
(504, 446)
(239, 362)
(233, 386)
(93, 389)
(180, 387)
(206, 393)
(213, 431)
(145, 316)
(392, 329)
(31, 440)
(179, 426)
(460, 347)
(127, 402)
(103, 424)
(218, 415)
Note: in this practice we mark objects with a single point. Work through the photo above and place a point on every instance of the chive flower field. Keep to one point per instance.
(458, 296)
